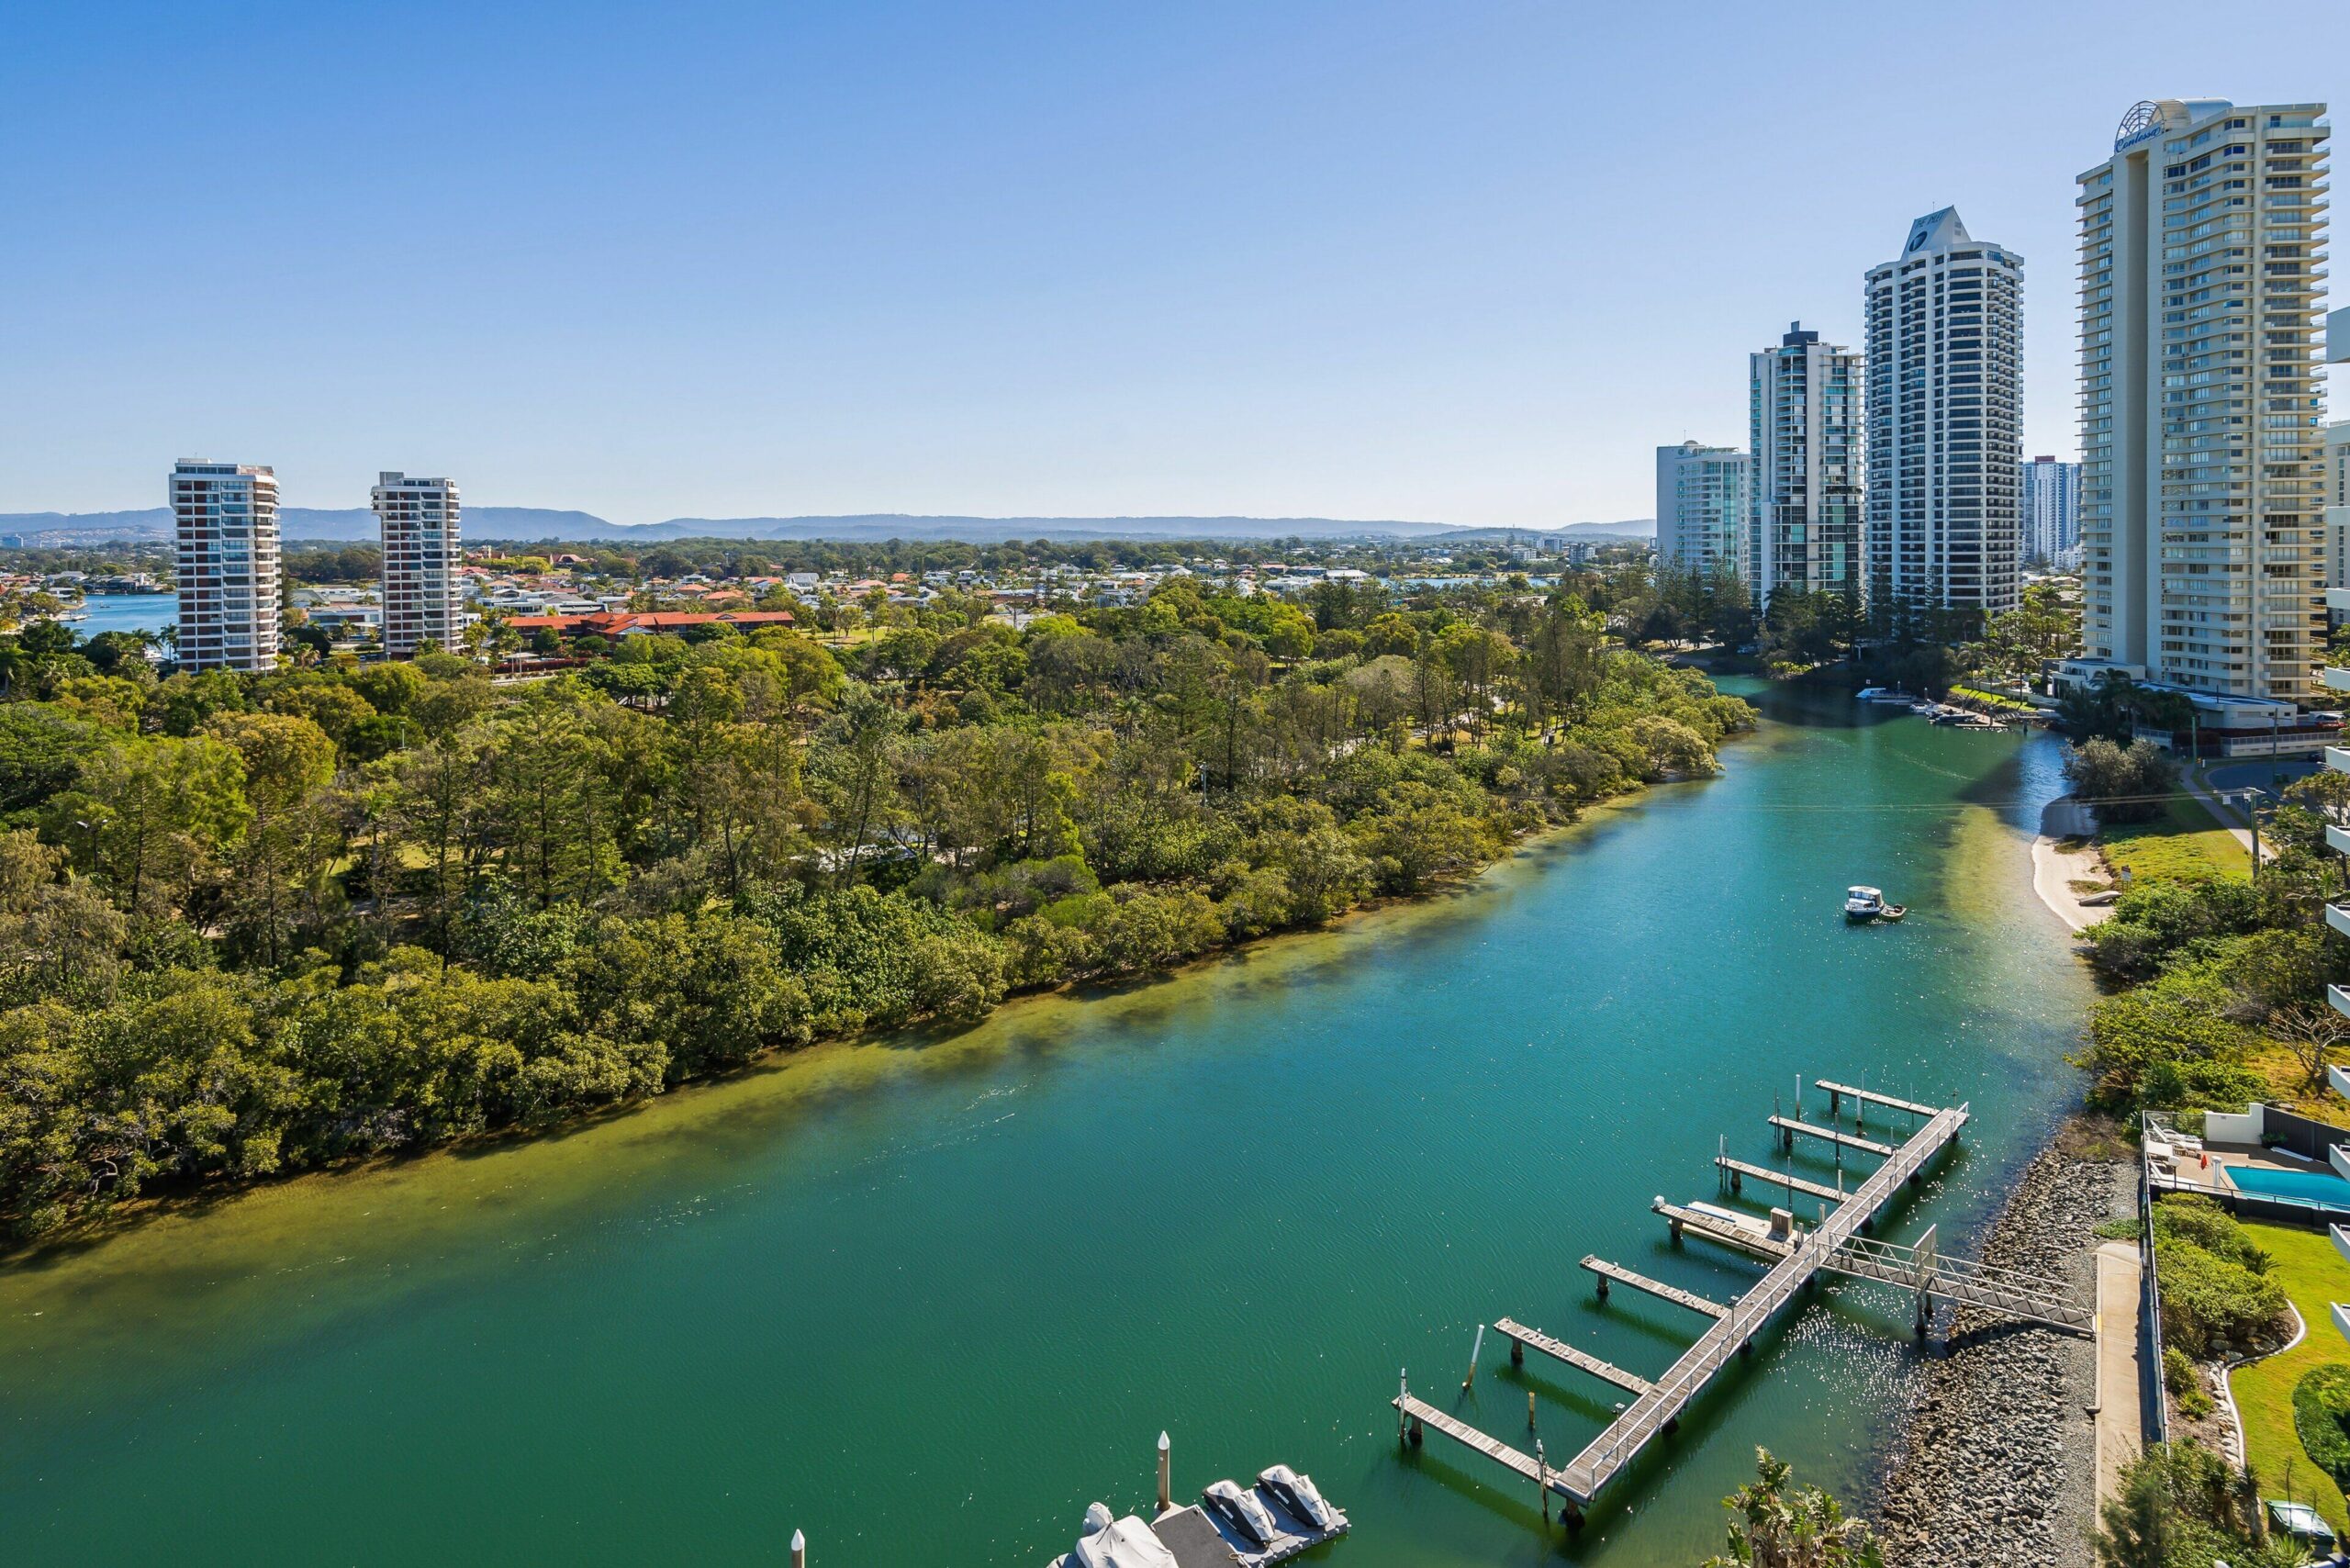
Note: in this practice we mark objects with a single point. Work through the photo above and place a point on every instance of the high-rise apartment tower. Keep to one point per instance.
(225, 518)
(423, 598)
(1945, 408)
(1803, 521)
(2202, 239)
(2048, 494)
(1701, 508)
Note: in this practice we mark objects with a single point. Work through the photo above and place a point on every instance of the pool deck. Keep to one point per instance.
(2214, 1179)
(2226, 1154)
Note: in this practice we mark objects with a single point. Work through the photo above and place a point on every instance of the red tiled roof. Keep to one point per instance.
(612, 623)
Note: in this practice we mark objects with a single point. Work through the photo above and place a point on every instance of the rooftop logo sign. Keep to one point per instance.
(2143, 123)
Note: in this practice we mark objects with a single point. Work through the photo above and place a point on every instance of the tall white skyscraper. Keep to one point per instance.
(2048, 494)
(1803, 521)
(1945, 408)
(423, 598)
(2202, 545)
(1701, 507)
(225, 517)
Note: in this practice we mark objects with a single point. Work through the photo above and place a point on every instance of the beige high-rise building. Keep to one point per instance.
(1804, 498)
(224, 516)
(423, 586)
(1945, 420)
(2202, 539)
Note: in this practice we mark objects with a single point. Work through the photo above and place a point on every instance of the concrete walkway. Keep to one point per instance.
(2054, 869)
(2121, 1414)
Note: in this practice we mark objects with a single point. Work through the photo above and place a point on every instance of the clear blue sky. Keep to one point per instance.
(1453, 261)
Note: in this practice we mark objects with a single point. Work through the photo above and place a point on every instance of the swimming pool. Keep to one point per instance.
(2301, 1186)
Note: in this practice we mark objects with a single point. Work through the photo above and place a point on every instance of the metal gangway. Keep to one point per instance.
(1919, 1269)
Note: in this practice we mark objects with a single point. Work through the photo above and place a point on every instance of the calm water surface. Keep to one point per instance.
(927, 1298)
(126, 613)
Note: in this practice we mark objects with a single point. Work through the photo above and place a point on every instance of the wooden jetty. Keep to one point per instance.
(1619, 1274)
(1839, 1092)
(1790, 1127)
(1658, 1408)
(1522, 1340)
(1739, 1170)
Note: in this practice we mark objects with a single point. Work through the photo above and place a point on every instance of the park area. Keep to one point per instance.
(2186, 843)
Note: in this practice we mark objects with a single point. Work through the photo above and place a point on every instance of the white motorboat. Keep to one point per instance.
(1300, 1496)
(1927, 707)
(1242, 1511)
(1868, 904)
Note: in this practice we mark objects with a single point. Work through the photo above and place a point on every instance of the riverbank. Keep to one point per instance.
(2063, 854)
(1997, 1464)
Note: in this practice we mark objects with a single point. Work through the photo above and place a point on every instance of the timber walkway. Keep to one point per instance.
(1795, 1256)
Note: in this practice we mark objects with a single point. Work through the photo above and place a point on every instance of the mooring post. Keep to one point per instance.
(1475, 1347)
(1165, 1476)
(1529, 1409)
(799, 1549)
(1603, 1286)
(1403, 1392)
(1541, 1477)
(1516, 1352)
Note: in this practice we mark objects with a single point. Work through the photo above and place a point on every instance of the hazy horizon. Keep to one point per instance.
(1460, 263)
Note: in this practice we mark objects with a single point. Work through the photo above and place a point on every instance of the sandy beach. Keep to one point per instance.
(2055, 867)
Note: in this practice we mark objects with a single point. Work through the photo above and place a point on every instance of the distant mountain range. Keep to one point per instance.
(524, 524)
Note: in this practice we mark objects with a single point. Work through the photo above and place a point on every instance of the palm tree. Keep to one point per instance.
(1773, 1525)
(2171, 711)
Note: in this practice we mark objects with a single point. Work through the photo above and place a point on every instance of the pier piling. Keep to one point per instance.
(799, 1549)
(1165, 1476)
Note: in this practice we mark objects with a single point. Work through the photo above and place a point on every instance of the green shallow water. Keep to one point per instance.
(927, 1298)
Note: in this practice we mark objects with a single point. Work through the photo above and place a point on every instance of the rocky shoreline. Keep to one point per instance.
(1996, 1462)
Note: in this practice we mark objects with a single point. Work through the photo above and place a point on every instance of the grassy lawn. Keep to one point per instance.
(2287, 1087)
(1990, 699)
(2185, 844)
(2313, 1275)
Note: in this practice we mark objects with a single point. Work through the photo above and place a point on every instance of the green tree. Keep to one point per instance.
(152, 815)
(1775, 1526)
(1414, 831)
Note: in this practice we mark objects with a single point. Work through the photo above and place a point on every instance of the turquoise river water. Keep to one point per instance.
(926, 1297)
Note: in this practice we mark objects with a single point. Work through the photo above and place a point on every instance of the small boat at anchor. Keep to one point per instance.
(1866, 904)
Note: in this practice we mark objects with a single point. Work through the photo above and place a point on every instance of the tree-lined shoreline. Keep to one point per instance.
(256, 926)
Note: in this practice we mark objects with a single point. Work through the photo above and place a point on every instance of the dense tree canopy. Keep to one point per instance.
(248, 924)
